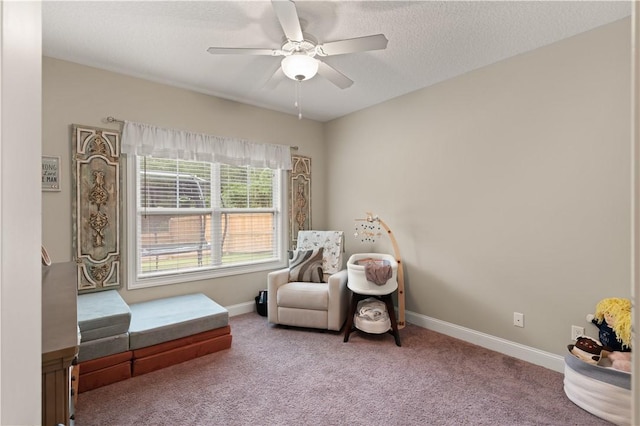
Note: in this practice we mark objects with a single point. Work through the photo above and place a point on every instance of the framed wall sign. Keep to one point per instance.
(50, 173)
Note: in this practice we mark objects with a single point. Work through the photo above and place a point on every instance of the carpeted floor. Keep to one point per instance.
(287, 376)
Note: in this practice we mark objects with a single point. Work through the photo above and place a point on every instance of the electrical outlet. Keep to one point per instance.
(518, 319)
(576, 332)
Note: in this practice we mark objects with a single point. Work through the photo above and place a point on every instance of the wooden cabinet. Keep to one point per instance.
(59, 341)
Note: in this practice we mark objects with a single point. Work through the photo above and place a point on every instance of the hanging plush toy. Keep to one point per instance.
(613, 319)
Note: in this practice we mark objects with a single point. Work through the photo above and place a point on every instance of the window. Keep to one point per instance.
(197, 220)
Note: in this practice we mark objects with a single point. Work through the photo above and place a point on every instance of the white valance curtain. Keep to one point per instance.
(145, 140)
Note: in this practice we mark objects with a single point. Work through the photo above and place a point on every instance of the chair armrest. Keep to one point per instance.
(338, 300)
(337, 282)
(275, 279)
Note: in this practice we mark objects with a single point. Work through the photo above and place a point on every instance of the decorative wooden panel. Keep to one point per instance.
(96, 207)
(299, 197)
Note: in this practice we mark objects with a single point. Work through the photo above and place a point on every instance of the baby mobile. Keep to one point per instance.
(368, 230)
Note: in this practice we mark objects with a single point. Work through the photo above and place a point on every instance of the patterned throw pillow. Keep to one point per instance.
(331, 241)
(305, 266)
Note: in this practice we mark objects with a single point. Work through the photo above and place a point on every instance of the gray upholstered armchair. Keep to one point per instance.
(295, 295)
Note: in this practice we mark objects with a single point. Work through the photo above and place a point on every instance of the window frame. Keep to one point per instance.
(136, 282)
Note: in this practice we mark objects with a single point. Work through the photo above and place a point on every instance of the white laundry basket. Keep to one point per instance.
(602, 391)
(357, 279)
(372, 316)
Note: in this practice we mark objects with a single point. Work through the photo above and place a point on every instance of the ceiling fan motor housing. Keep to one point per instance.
(299, 66)
(308, 46)
(299, 63)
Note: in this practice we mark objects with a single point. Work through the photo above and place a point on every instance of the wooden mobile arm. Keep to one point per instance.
(396, 251)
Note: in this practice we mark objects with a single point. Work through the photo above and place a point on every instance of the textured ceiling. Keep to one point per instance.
(429, 41)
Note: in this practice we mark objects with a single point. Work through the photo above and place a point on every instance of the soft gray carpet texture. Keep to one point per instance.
(274, 375)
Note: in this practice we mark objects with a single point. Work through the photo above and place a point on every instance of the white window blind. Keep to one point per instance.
(194, 217)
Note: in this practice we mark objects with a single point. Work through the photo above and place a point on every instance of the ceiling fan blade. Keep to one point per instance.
(333, 75)
(274, 80)
(243, 51)
(271, 77)
(288, 17)
(352, 45)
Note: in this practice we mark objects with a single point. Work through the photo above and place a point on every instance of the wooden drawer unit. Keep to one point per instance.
(59, 341)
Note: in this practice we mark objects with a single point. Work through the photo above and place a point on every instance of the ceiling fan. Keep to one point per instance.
(301, 51)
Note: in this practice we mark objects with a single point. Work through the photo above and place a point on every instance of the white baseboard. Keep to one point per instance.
(241, 308)
(516, 350)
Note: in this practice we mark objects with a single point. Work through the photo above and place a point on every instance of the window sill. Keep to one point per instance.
(135, 283)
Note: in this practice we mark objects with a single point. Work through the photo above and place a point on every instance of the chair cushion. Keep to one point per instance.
(171, 318)
(302, 295)
(306, 265)
(330, 241)
(102, 314)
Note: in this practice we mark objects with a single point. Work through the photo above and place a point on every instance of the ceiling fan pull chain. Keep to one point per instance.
(298, 103)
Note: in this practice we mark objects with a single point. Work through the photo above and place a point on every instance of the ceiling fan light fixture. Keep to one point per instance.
(299, 66)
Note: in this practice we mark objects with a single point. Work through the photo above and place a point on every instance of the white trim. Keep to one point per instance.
(21, 230)
(516, 350)
(241, 308)
(135, 283)
(635, 208)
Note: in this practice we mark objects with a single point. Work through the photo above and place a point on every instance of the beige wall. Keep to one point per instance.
(74, 94)
(508, 188)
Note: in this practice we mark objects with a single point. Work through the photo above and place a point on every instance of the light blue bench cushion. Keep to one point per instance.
(102, 347)
(102, 314)
(171, 318)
